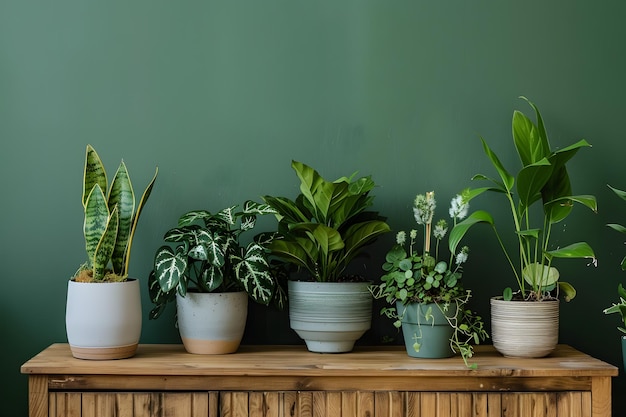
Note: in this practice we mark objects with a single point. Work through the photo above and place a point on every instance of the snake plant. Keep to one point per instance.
(110, 220)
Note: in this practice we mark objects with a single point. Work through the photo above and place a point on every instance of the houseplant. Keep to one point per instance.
(425, 292)
(319, 233)
(210, 261)
(620, 307)
(103, 312)
(538, 197)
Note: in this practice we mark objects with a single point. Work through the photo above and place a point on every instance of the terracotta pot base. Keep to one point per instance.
(103, 353)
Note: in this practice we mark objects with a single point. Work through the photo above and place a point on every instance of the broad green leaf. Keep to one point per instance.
(507, 294)
(361, 234)
(298, 252)
(253, 272)
(531, 179)
(541, 130)
(527, 140)
(93, 174)
(459, 231)
(575, 250)
(121, 196)
(539, 275)
(568, 291)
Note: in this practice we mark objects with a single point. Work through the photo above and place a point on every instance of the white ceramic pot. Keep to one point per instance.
(212, 323)
(103, 320)
(524, 329)
(330, 316)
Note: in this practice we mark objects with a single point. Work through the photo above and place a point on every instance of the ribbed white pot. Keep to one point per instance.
(524, 329)
(330, 316)
(103, 320)
(212, 323)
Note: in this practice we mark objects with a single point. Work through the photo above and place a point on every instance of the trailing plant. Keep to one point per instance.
(110, 220)
(327, 225)
(619, 308)
(423, 277)
(542, 181)
(209, 256)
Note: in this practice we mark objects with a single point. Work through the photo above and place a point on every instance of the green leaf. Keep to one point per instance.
(617, 227)
(530, 146)
(140, 206)
(253, 272)
(620, 193)
(105, 247)
(575, 250)
(96, 219)
(530, 181)
(539, 275)
(568, 291)
(507, 179)
(459, 231)
(169, 267)
(507, 294)
(121, 196)
(193, 216)
(94, 173)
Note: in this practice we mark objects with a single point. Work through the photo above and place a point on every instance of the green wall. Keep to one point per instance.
(222, 95)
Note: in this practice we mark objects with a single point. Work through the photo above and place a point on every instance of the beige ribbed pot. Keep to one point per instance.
(524, 329)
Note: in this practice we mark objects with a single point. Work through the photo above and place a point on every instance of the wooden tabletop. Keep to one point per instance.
(172, 359)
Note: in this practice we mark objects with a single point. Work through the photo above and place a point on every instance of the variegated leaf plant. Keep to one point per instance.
(209, 257)
(110, 220)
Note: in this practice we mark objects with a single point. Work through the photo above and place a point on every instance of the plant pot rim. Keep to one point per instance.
(127, 280)
(499, 299)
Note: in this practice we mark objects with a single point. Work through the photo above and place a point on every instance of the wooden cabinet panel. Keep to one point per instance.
(319, 404)
(288, 381)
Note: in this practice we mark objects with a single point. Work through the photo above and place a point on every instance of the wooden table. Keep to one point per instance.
(280, 381)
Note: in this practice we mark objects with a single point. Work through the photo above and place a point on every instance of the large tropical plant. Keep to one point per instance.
(209, 256)
(327, 225)
(542, 179)
(619, 308)
(110, 220)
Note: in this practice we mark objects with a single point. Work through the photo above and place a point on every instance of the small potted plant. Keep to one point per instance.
(211, 274)
(103, 312)
(538, 197)
(425, 292)
(620, 307)
(319, 233)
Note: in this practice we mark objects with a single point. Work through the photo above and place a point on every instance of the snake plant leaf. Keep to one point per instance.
(253, 271)
(121, 195)
(170, 266)
(106, 246)
(96, 218)
(458, 232)
(507, 179)
(140, 206)
(94, 173)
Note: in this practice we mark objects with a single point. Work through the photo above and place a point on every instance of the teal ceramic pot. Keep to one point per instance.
(426, 330)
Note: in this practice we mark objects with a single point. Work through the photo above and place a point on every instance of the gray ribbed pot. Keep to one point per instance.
(330, 316)
(524, 329)
(426, 325)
